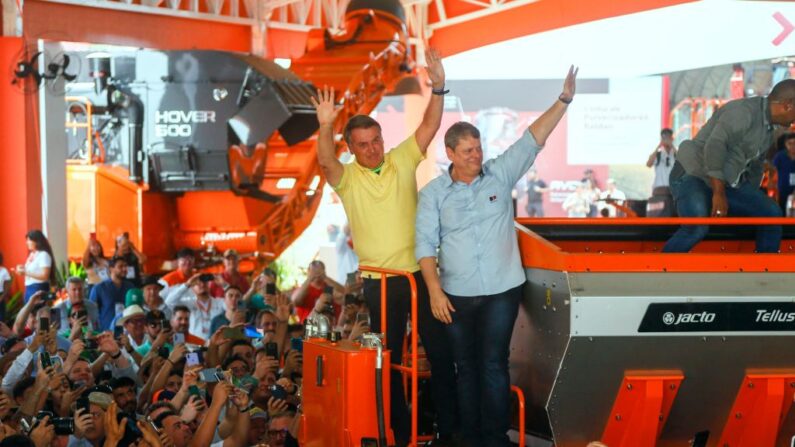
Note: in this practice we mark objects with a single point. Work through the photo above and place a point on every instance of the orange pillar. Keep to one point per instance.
(20, 182)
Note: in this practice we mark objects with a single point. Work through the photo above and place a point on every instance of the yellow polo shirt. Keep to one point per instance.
(381, 208)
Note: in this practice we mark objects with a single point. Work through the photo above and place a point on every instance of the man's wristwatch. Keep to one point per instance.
(118, 354)
(564, 100)
(247, 408)
(440, 91)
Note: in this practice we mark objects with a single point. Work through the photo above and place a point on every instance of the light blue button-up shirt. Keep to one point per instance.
(472, 225)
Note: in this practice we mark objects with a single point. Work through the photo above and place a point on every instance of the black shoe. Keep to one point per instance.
(440, 440)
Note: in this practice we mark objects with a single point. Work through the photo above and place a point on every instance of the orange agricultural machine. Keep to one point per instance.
(215, 150)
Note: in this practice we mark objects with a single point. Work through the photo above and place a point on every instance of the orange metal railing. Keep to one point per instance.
(690, 114)
(412, 369)
(520, 401)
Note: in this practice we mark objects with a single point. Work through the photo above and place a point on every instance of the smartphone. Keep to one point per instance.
(55, 315)
(241, 305)
(178, 339)
(193, 358)
(163, 352)
(350, 278)
(234, 333)
(210, 375)
(46, 360)
(50, 297)
(84, 404)
(82, 313)
(206, 277)
(328, 290)
(44, 324)
(153, 425)
(278, 392)
(251, 332)
(363, 316)
(193, 390)
(297, 344)
(272, 350)
(270, 289)
(700, 439)
(118, 331)
(350, 299)
(165, 325)
(92, 236)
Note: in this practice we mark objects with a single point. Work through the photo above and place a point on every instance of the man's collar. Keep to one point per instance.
(449, 174)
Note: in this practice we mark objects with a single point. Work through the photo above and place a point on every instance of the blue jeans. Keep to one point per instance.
(434, 340)
(693, 198)
(480, 335)
(36, 287)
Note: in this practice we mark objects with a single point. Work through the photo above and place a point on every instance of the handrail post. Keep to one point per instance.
(414, 334)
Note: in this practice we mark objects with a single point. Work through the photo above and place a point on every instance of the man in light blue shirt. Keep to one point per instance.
(467, 215)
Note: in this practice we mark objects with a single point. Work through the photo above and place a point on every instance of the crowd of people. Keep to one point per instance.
(120, 358)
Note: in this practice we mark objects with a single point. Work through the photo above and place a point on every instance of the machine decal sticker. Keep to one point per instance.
(718, 317)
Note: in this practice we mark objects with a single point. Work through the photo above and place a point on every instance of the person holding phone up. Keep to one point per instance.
(195, 295)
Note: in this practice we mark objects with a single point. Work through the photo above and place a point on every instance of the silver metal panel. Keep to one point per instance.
(539, 340)
(571, 380)
(682, 284)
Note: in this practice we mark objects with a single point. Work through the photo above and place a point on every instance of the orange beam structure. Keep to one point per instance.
(761, 405)
(641, 408)
(521, 18)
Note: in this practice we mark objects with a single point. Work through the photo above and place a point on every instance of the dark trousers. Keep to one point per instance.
(481, 336)
(694, 199)
(434, 340)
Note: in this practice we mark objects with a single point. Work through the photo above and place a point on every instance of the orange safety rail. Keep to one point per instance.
(641, 408)
(645, 256)
(412, 370)
(762, 403)
(520, 401)
(690, 114)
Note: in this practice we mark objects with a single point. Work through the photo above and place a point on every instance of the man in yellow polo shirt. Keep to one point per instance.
(379, 194)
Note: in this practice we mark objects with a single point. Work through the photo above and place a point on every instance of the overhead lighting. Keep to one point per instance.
(315, 183)
(283, 62)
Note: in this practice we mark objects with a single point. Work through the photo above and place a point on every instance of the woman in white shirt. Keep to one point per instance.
(38, 269)
(94, 261)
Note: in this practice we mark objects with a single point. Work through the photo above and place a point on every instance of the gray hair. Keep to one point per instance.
(457, 131)
(75, 280)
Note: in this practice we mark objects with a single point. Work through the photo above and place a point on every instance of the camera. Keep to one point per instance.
(62, 426)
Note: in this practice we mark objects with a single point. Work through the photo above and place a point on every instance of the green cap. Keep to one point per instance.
(133, 297)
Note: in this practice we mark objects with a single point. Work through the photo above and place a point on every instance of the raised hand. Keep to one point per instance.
(114, 430)
(327, 110)
(282, 308)
(570, 84)
(435, 68)
(276, 406)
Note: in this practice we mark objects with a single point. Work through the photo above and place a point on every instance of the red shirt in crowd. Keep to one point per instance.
(217, 290)
(312, 294)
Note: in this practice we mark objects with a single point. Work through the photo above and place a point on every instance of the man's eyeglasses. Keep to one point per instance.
(278, 433)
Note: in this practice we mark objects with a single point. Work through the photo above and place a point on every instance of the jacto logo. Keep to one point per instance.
(683, 318)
